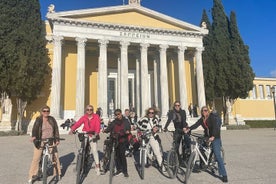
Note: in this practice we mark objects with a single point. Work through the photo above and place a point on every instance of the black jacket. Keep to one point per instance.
(178, 125)
(111, 128)
(211, 129)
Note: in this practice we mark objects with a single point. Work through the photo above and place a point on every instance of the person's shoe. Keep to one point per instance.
(97, 170)
(30, 181)
(224, 179)
(163, 168)
(58, 177)
(118, 173)
(126, 175)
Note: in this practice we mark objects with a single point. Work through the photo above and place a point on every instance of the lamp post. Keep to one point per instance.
(274, 104)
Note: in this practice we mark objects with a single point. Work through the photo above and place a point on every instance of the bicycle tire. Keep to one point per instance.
(111, 166)
(190, 167)
(79, 168)
(172, 163)
(143, 162)
(44, 169)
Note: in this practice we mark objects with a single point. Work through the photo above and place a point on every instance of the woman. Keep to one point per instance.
(91, 123)
(212, 132)
(45, 126)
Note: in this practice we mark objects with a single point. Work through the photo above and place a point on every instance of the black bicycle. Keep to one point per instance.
(173, 158)
(83, 158)
(114, 143)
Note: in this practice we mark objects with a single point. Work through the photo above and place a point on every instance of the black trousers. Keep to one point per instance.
(121, 162)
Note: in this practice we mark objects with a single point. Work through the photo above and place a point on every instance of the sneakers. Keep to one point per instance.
(97, 170)
(30, 181)
(126, 175)
(224, 179)
(163, 168)
(118, 173)
(58, 177)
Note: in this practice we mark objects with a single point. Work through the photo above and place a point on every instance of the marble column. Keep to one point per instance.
(119, 83)
(102, 78)
(138, 90)
(164, 81)
(56, 78)
(200, 78)
(155, 78)
(124, 75)
(182, 78)
(80, 84)
(144, 77)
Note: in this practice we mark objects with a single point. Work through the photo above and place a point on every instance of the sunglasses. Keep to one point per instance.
(176, 105)
(89, 109)
(118, 114)
(151, 113)
(46, 111)
(205, 110)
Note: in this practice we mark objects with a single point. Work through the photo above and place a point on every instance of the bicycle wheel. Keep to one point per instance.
(79, 168)
(111, 166)
(172, 163)
(190, 167)
(143, 162)
(44, 169)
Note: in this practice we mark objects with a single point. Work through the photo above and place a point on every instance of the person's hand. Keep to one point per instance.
(32, 139)
(186, 130)
(165, 129)
(127, 132)
(211, 139)
(70, 132)
(155, 129)
(57, 143)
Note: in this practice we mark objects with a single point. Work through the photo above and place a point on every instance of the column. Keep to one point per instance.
(200, 78)
(182, 78)
(102, 78)
(138, 91)
(119, 83)
(124, 75)
(155, 78)
(164, 81)
(144, 77)
(80, 85)
(56, 77)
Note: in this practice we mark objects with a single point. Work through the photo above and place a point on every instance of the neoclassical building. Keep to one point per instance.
(121, 57)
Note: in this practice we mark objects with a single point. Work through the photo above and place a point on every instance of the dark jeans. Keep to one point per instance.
(216, 145)
(121, 162)
(177, 139)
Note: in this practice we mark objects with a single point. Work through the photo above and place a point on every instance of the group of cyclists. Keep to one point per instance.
(46, 126)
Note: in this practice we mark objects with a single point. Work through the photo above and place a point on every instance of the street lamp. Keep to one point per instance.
(274, 104)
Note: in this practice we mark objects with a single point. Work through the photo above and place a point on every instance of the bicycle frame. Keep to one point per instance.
(45, 153)
(207, 150)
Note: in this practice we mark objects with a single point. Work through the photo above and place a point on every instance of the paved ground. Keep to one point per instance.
(250, 157)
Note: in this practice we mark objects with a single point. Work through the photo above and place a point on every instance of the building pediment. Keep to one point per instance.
(126, 15)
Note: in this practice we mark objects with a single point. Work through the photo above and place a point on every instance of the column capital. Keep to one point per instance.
(144, 45)
(163, 47)
(81, 41)
(200, 49)
(57, 39)
(181, 48)
(103, 42)
(124, 44)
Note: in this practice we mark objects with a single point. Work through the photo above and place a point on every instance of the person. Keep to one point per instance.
(91, 123)
(121, 127)
(191, 108)
(178, 116)
(151, 122)
(212, 132)
(45, 126)
(195, 111)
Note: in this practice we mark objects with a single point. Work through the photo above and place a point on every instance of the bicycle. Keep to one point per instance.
(202, 149)
(47, 159)
(114, 142)
(83, 158)
(146, 153)
(173, 160)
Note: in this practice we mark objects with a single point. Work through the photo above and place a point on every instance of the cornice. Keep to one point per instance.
(129, 28)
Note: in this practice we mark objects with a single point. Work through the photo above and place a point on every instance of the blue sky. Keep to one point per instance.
(256, 21)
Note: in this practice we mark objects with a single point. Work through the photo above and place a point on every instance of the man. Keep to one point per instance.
(91, 123)
(212, 132)
(120, 126)
(178, 116)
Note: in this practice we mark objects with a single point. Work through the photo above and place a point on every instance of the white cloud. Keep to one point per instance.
(273, 73)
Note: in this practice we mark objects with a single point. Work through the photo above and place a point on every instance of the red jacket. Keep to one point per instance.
(94, 124)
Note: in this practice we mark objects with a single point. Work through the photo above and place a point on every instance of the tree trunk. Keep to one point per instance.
(21, 106)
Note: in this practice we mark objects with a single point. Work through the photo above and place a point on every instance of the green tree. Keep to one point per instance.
(24, 52)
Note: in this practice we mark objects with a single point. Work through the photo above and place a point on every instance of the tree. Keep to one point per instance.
(24, 52)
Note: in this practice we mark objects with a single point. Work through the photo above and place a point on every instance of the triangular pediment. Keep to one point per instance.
(126, 15)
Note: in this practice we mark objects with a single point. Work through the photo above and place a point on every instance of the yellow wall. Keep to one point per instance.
(132, 18)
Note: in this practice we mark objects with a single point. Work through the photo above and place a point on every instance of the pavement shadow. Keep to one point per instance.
(66, 161)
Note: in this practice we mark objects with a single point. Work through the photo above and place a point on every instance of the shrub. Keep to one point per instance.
(237, 127)
(260, 123)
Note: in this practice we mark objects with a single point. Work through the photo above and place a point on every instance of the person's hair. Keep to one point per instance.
(203, 107)
(117, 110)
(44, 107)
(147, 111)
(127, 110)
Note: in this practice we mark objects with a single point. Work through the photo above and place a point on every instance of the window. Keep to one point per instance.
(261, 91)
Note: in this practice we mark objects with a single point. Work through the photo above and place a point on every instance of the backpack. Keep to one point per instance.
(218, 119)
